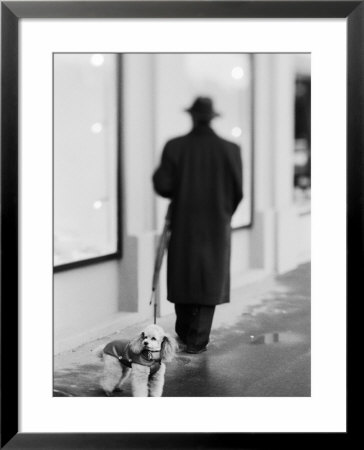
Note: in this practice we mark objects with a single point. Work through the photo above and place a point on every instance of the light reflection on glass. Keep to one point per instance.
(96, 128)
(97, 60)
(237, 73)
(98, 204)
(300, 158)
(236, 132)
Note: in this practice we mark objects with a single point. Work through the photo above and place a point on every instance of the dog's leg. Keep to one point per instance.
(156, 382)
(139, 380)
(124, 377)
(111, 374)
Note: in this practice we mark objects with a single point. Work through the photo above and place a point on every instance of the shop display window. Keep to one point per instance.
(228, 79)
(302, 150)
(86, 155)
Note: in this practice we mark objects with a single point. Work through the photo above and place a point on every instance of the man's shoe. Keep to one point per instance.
(195, 350)
(180, 340)
(181, 344)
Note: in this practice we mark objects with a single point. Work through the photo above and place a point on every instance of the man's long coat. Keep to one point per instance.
(202, 174)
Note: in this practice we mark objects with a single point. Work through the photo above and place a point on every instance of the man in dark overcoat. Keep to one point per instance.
(202, 175)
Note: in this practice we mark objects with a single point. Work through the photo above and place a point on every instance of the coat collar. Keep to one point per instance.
(202, 129)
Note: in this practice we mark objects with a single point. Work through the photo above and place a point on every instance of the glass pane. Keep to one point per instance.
(227, 79)
(85, 156)
(302, 151)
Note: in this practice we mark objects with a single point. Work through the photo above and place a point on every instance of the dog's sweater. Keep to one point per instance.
(120, 349)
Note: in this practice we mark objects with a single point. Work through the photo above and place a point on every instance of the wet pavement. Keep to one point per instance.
(260, 347)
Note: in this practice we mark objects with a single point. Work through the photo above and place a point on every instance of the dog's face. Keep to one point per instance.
(154, 338)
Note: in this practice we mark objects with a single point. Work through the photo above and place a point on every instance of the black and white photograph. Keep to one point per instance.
(181, 200)
(182, 224)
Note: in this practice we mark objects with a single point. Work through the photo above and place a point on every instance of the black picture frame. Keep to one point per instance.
(12, 12)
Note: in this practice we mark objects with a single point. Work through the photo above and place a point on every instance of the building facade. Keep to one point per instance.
(263, 112)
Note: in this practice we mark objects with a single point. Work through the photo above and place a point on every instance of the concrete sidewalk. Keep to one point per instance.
(260, 346)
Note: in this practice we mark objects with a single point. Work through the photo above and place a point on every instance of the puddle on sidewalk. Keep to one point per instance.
(282, 337)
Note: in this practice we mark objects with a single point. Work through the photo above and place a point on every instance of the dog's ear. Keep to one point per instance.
(136, 344)
(169, 348)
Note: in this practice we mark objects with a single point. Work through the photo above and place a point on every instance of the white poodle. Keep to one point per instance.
(143, 357)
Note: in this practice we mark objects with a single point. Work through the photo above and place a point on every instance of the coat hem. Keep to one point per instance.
(188, 300)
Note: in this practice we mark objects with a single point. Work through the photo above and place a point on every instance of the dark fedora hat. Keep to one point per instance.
(203, 107)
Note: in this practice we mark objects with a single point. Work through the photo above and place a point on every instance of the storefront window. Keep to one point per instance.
(302, 154)
(86, 157)
(228, 80)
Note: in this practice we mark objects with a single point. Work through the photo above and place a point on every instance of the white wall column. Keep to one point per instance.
(138, 162)
(262, 233)
(138, 142)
